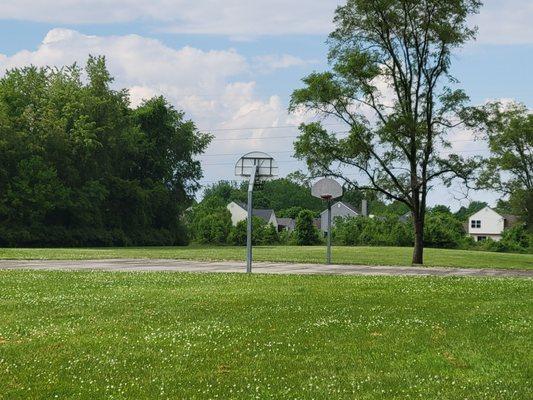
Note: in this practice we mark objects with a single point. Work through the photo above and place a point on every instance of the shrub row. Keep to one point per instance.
(59, 236)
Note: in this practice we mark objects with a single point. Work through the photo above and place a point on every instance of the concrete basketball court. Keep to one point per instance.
(149, 265)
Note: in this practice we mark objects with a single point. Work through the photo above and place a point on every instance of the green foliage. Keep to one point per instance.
(383, 231)
(270, 235)
(290, 212)
(283, 194)
(287, 237)
(222, 193)
(516, 240)
(78, 166)
(439, 208)
(214, 228)
(306, 233)
(442, 229)
(237, 236)
(509, 130)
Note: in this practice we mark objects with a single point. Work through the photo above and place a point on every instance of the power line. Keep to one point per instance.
(240, 154)
(259, 127)
(291, 151)
(299, 161)
(295, 136)
(268, 137)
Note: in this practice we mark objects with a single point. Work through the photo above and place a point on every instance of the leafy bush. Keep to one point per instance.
(270, 235)
(287, 237)
(305, 232)
(237, 236)
(291, 212)
(59, 236)
(443, 230)
(515, 239)
(214, 228)
(380, 231)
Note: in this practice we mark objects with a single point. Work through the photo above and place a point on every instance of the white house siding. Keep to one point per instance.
(338, 209)
(274, 221)
(492, 225)
(238, 214)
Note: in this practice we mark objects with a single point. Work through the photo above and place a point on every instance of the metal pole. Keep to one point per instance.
(328, 260)
(249, 222)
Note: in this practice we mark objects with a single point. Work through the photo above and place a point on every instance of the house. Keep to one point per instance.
(287, 224)
(239, 213)
(487, 223)
(340, 209)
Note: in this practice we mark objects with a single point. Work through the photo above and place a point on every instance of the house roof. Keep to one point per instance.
(511, 220)
(288, 222)
(264, 214)
(345, 204)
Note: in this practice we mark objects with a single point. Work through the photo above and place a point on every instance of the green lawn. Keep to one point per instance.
(94, 335)
(341, 255)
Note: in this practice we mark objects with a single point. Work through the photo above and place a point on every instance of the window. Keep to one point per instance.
(481, 238)
(475, 224)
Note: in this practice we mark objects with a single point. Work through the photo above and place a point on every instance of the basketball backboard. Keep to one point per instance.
(265, 164)
(327, 189)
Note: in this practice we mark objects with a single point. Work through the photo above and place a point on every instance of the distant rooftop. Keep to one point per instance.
(264, 214)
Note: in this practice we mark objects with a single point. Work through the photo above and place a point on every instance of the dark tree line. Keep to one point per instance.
(79, 166)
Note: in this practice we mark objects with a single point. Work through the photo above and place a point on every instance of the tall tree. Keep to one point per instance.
(79, 166)
(509, 170)
(390, 84)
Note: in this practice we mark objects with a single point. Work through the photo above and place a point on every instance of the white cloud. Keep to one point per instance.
(212, 87)
(500, 21)
(272, 62)
(239, 18)
(147, 66)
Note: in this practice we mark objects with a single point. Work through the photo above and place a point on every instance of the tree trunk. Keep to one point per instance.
(418, 251)
(529, 210)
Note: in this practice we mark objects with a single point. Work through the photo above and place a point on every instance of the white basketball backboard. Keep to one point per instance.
(327, 189)
(265, 164)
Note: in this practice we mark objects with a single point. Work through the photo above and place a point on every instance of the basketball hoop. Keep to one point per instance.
(327, 189)
(263, 164)
(258, 167)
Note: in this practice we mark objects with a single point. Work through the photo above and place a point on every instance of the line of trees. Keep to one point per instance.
(209, 222)
(442, 229)
(80, 167)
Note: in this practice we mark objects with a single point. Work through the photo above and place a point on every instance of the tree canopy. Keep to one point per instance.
(79, 166)
(509, 170)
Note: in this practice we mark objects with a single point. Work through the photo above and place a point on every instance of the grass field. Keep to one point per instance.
(341, 255)
(94, 335)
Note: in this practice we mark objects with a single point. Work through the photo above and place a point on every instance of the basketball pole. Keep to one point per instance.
(328, 252)
(249, 222)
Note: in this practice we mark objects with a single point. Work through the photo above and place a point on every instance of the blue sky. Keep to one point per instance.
(232, 65)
